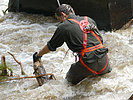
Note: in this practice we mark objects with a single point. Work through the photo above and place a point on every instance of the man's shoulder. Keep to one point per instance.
(64, 24)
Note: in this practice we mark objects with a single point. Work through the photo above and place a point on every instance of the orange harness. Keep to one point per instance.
(83, 24)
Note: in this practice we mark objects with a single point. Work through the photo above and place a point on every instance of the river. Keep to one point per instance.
(23, 34)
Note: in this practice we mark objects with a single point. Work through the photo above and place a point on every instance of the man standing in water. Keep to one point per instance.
(82, 37)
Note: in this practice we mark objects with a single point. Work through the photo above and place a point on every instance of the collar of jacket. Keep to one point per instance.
(71, 16)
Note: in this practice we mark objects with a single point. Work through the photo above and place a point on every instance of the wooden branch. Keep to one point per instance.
(18, 78)
(4, 11)
(130, 21)
(21, 65)
(127, 25)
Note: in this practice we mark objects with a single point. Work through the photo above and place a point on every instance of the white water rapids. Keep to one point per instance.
(23, 34)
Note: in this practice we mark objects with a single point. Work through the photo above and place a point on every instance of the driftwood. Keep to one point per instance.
(18, 78)
(40, 70)
(21, 65)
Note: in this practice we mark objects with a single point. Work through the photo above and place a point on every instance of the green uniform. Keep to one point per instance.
(71, 33)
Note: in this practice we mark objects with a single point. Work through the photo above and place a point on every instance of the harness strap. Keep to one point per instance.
(93, 70)
(93, 48)
(85, 32)
(83, 24)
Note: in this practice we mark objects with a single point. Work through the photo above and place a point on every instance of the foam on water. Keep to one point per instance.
(23, 34)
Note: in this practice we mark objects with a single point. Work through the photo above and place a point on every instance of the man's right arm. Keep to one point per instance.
(44, 51)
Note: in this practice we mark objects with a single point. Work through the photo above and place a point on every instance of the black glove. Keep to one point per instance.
(91, 27)
(36, 57)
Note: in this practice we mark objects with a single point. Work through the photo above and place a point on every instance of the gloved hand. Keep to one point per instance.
(91, 27)
(36, 57)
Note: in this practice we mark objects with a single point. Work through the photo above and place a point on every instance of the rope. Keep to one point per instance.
(58, 2)
(66, 54)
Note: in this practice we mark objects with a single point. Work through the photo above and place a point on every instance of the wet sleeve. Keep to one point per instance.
(57, 39)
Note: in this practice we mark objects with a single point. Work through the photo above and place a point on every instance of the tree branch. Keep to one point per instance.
(18, 78)
(21, 65)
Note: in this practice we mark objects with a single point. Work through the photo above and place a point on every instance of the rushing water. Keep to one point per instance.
(23, 34)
